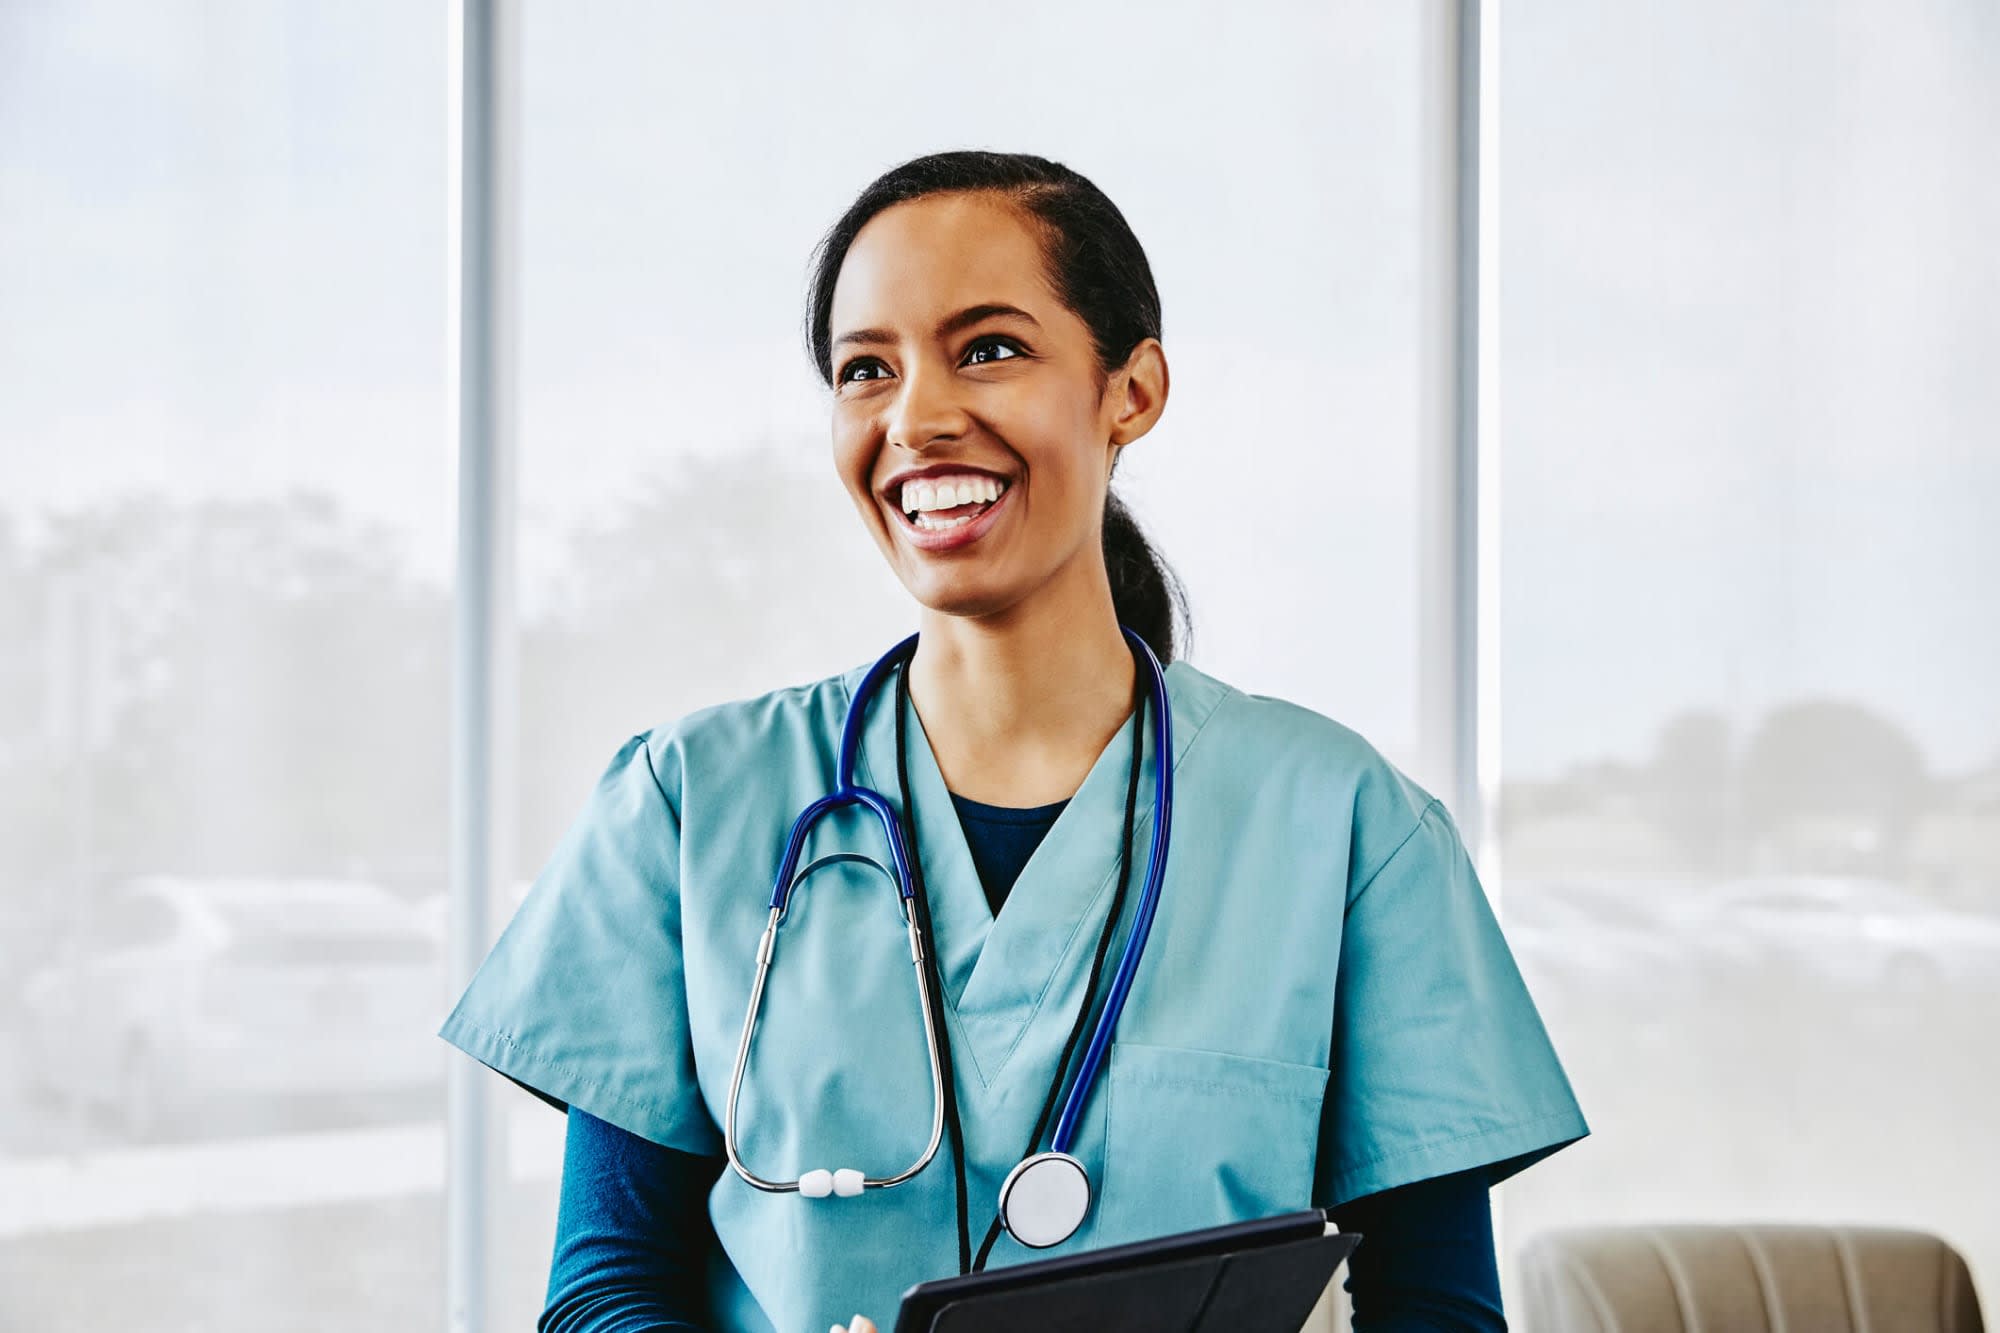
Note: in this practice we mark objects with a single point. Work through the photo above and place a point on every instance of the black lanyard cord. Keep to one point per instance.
(1097, 962)
(933, 972)
(932, 969)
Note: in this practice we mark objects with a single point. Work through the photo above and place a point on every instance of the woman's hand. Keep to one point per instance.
(861, 1323)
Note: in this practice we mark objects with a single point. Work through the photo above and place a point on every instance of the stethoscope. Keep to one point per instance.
(1047, 1195)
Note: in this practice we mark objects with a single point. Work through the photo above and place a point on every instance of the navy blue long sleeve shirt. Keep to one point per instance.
(633, 1236)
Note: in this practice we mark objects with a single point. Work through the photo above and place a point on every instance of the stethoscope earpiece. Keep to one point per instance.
(846, 1183)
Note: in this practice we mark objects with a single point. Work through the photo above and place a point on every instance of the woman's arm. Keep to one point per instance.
(1426, 1261)
(632, 1234)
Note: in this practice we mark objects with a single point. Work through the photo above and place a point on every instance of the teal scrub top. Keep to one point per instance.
(1326, 1007)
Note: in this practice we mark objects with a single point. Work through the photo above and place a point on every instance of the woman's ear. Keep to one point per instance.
(1138, 392)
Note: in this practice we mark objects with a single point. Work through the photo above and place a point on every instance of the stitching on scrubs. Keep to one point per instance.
(672, 1111)
(1431, 1145)
(1137, 1050)
(1255, 1084)
(1422, 815)
(532, 1056)
(1236, 1089)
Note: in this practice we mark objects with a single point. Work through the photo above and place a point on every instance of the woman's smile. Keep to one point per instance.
(948, 511)
(940, 507)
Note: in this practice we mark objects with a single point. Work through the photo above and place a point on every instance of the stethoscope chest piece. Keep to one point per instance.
(1044, 1199)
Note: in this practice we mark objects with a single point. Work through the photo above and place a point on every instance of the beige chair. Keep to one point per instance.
(1744, 1279)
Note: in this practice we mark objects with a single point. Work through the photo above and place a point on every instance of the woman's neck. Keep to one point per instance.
(1018, 706)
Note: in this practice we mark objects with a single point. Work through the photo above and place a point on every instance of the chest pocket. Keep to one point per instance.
(1200, 1138)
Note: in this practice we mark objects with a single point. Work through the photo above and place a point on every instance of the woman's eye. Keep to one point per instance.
(991, 349)
(863, 368)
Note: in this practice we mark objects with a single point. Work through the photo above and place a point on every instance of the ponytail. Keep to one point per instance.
(1147, 595)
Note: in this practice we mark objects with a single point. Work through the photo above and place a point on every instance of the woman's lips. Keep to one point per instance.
(937, 541)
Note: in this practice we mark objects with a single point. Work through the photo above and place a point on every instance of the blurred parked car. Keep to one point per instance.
(185, 995)
(1813, 999)
(1610, 936)
(1826, 932)
(1849, 933)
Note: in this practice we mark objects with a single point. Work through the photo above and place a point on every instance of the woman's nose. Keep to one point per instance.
(925, 409)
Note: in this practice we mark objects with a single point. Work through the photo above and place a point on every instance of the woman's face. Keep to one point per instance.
(971, 423)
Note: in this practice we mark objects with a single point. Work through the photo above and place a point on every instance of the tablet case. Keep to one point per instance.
(1254, 1277)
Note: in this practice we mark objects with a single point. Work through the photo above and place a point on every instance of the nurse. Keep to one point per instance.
(1324, 1012)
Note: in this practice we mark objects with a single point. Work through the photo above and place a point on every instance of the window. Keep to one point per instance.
(1749, 814)
(224, 555)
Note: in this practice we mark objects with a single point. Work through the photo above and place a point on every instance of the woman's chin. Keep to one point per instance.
(959, 593)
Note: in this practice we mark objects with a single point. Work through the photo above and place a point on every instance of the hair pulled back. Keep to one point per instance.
(1097, 269)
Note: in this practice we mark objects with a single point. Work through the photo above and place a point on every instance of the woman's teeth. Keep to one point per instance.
(927, 501)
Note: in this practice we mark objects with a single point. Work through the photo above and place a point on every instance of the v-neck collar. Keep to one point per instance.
(997, 972)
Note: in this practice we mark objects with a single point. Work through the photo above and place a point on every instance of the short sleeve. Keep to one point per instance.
(1440, 1062)
(583, 999)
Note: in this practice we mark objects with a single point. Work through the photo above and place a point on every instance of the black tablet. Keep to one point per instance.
(1248, 1277)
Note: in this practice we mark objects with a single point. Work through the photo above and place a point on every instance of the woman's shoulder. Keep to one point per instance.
(1284, 724)
(713, 738)
(1281, 741)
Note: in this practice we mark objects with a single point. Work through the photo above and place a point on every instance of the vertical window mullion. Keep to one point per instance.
(485, 147)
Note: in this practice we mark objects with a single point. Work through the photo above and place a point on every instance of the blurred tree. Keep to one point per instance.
(726, 579)
(248, 687)
(1832, 785)
(1693, 796)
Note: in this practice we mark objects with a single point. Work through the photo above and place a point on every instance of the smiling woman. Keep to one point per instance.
(1313, 1005)
(976, 315)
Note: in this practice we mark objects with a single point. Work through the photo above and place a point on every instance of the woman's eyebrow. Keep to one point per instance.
(947, 326)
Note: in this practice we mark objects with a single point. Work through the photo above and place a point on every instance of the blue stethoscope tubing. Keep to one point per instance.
(848, 792)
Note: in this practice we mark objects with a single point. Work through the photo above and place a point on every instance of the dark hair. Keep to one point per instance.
(1097, 269)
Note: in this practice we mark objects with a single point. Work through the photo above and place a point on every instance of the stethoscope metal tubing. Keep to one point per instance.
(766, 949)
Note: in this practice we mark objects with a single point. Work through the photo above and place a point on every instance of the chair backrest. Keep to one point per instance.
(1744, 1279)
